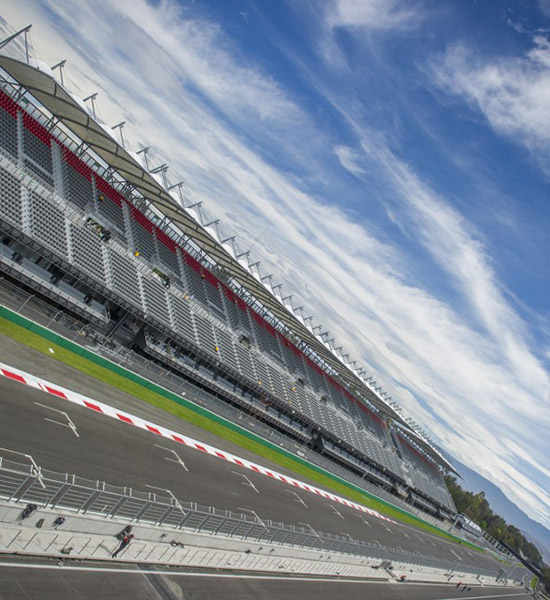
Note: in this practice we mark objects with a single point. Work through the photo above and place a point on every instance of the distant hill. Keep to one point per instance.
(533, 531)
(543, 550)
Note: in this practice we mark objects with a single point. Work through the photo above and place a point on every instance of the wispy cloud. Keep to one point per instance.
(374, 14)
(513, 93)
(350, 160)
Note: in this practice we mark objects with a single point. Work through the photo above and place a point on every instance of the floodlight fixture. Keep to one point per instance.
(162, 169)
(25, 31)
(60, 66)
(144, 151)
(176, 185)
(120, 126)
(91, 97)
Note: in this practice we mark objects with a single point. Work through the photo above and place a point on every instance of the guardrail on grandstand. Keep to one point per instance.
(32, 484)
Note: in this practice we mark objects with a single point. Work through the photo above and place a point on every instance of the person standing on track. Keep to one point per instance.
(125, 542)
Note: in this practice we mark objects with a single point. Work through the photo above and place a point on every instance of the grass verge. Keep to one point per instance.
(172, 404)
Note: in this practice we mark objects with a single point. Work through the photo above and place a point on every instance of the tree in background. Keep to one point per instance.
(476, 507)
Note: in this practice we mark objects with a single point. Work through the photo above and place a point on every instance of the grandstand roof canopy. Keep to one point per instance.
(68, 111)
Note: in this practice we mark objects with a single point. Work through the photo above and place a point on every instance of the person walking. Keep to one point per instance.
(126, 531)
(125, 542)
(27, 512)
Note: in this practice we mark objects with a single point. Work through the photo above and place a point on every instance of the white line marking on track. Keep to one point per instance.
(336, 511)
(169, 492)
(69, 423)
(247, 482)
(364, 520)
(298, 499)
(252, 512)
(458, 556)
(310, 527)
(176, 460)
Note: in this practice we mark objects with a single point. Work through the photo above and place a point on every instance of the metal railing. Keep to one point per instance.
(29, 483)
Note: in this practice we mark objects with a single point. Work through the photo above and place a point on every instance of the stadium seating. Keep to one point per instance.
(85, 223)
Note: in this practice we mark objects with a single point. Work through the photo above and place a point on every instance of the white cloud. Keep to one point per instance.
(374, 14)
(362, 17)
(350, 160)
(513, 93)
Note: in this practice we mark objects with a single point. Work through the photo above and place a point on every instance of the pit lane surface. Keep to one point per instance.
(25, 580)
(123, 455)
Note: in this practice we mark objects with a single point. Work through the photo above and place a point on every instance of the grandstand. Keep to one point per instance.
(86, 225)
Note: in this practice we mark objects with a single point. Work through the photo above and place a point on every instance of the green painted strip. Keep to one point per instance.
(360, 495)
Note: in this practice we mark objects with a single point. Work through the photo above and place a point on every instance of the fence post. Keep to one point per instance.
(23, 488)
(118, 505)
(58, 496)
(24, 304)
(91, 499)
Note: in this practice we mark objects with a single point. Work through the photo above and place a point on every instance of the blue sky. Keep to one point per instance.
(387, 161)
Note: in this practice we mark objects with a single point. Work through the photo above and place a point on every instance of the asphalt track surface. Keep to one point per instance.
(20, 580)
(112, 451)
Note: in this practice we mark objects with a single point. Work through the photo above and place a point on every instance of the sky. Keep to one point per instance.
(387, 161)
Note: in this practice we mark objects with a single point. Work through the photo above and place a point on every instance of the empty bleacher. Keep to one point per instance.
(109, 208)
(11, 207)
(149, 271)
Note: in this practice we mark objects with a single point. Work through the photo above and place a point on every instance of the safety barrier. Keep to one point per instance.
(34, 485)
